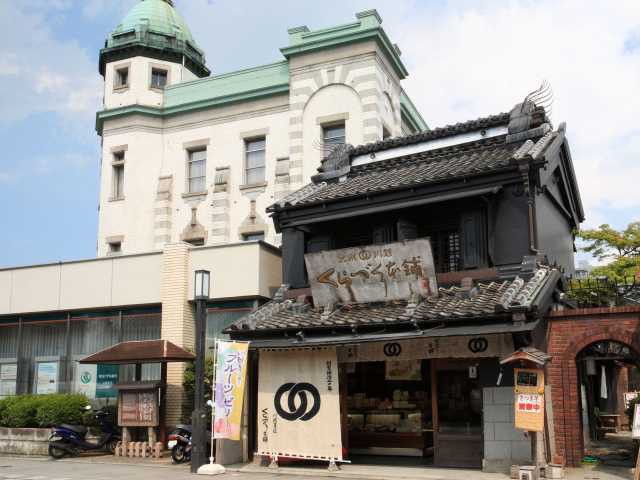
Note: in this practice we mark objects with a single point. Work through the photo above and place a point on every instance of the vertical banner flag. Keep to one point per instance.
(299, 404)
(231, 371)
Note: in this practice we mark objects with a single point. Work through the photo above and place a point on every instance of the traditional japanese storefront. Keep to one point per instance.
(411, 375)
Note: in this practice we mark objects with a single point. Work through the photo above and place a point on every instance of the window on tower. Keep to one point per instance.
(159, 77)
(117, 182)
(332, 136)
(122, 77)
(196, 171)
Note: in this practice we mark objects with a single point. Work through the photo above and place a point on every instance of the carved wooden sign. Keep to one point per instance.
(138, 408)
(374, 273)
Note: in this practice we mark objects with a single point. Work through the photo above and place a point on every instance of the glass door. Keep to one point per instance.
(457, 412)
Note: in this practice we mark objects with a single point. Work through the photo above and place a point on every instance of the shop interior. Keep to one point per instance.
(415, 412)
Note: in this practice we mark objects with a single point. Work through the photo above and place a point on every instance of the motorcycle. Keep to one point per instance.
(68, 439)
(180, 441)
(180, 444)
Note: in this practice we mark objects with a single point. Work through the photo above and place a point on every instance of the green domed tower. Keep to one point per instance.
(154, 29)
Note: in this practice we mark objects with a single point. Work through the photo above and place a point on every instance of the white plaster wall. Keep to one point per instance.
(132, 217)
(354, 81)
(225, 143)
(139, 91)
(335, 99)
(136, 279)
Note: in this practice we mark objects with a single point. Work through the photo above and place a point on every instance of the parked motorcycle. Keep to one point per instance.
(180, 441)
(70, 440)
(180, 444)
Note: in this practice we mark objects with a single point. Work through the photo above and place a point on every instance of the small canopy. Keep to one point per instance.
(527, 354)
(143, 351)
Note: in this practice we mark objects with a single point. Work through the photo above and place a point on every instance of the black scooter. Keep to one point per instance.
(70, 440)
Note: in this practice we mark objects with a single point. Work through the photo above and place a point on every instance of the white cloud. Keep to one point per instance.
(474, 61)
(41, 72)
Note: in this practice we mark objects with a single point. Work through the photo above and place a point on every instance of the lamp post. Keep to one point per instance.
(201, 295)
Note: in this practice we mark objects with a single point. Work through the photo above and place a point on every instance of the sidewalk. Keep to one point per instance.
(147, 466)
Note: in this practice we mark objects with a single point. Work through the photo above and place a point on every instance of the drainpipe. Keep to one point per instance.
(524, 167)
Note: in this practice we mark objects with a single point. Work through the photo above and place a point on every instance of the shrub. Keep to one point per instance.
(20, 412)
(57, 409)
(33, 411)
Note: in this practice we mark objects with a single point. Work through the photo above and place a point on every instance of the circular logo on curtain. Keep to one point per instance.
(85, 377)
(297, 393)
(392, 349)
(478, 345)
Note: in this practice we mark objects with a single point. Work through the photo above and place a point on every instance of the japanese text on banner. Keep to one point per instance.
(230, 381)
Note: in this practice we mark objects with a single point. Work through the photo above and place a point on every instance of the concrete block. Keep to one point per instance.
(497, 450)
(497, 413)
(487, 396)
(521, 452)
(503, 396)
(507, 431)
(489, 431)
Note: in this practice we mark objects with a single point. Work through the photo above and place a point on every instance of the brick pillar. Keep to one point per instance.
(622, 388)
(178, 323)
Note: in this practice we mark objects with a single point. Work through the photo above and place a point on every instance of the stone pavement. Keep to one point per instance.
(110, 468)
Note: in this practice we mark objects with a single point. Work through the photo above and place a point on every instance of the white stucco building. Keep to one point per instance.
(189, 164)
(187, 156)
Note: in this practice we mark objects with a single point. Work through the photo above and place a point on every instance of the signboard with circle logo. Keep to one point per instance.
(465, 346)
(299, 404)
(86, 380)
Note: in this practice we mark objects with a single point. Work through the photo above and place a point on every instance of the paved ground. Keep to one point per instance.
(108, 468)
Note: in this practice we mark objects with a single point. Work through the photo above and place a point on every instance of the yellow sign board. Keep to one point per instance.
(231, 370)
(529, 399)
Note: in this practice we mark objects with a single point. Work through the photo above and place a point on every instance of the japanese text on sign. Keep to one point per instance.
(230, 380)
(375, 273)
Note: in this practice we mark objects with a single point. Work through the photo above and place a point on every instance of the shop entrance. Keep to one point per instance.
(389, 412)
(414, 412)
(457, 411)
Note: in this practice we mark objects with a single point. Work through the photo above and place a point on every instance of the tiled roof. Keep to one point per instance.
(440, 132)
(464, 160)
(454, 303)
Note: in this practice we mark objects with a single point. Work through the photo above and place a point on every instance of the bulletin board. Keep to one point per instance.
(529, 399)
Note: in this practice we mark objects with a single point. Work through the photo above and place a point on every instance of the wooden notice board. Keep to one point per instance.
(529, 399)
(138, 408)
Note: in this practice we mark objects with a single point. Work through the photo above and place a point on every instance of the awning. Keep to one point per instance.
(452, 331)
(143, 351)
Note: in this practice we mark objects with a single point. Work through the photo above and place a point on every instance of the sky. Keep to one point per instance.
(466, 59)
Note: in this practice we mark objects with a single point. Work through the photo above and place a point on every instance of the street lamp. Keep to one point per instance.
(201, 285)
(201, 295)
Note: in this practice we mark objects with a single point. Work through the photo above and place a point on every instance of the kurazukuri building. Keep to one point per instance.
(189, 163)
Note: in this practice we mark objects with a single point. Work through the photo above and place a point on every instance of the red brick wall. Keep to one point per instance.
(569, 332)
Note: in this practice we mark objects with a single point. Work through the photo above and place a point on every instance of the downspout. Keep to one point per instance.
(524, 167)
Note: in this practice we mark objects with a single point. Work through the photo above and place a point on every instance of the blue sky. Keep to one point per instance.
(466, 59)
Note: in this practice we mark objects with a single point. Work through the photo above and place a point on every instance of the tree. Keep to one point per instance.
(189, 382)
(622, 248)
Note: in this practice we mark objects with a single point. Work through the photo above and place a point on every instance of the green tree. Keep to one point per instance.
(621, 247)
(189, 382)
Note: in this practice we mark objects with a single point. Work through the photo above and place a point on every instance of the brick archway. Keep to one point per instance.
(569, 333)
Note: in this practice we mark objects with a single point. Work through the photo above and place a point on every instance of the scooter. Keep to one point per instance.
(70, 440)
(180, 441)
(180, 444)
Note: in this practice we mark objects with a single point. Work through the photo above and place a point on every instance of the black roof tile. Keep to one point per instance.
(452, 304)
(440, 132)
(458, 161)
